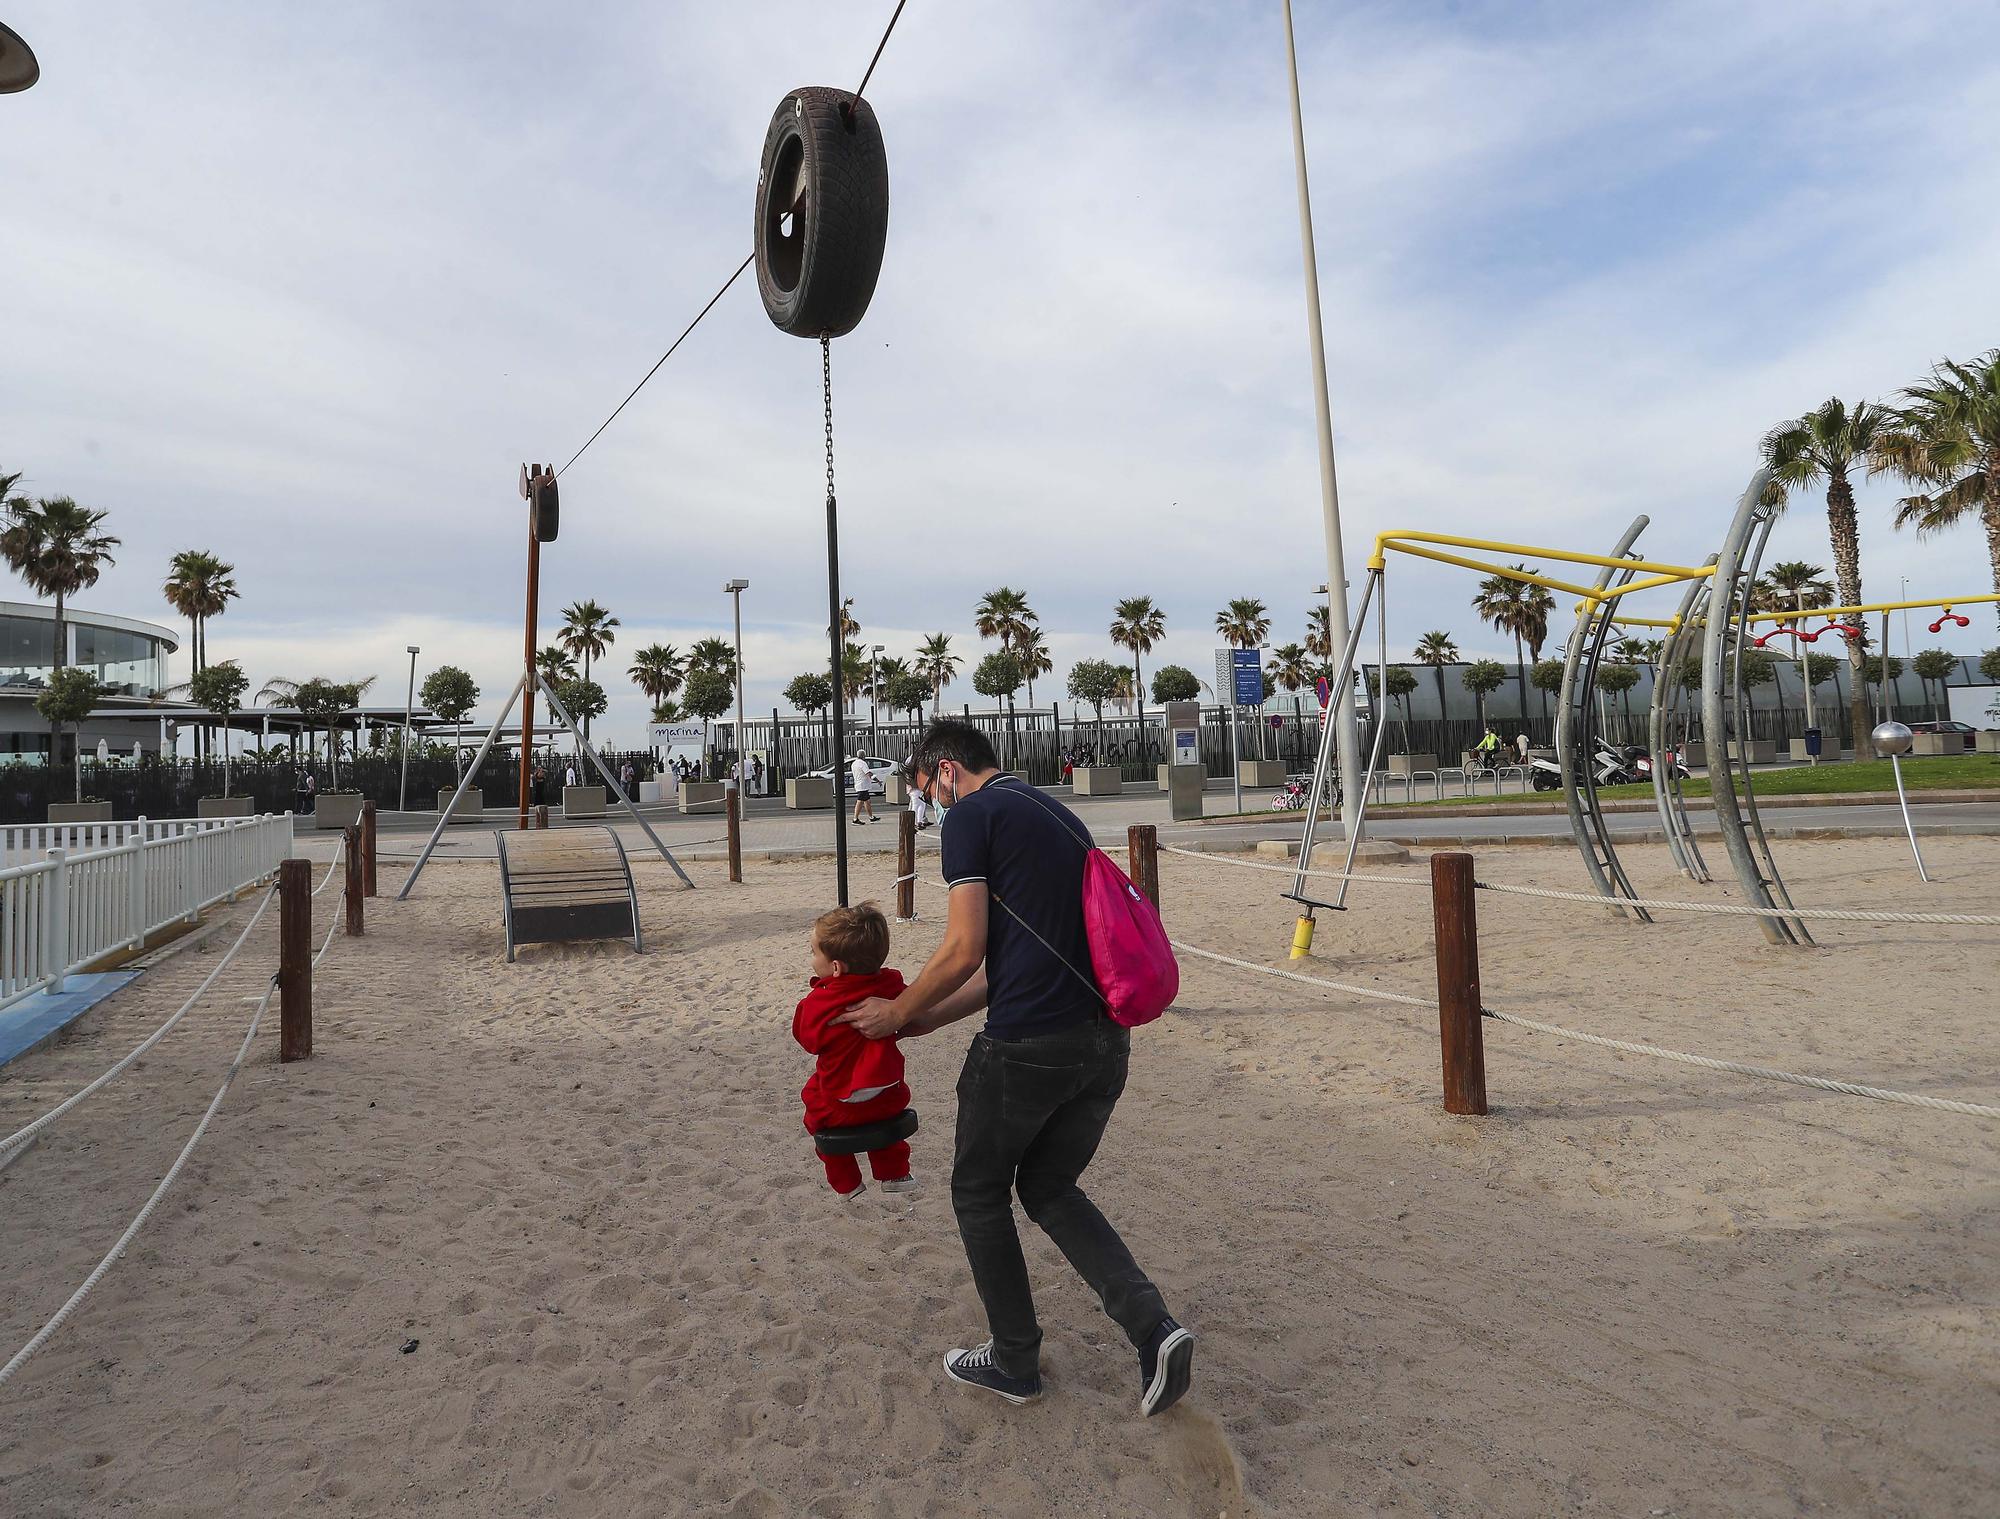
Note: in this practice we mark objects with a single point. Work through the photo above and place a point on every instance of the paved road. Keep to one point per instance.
(769, 827)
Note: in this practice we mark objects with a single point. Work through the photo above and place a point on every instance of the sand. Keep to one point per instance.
(579, 1185)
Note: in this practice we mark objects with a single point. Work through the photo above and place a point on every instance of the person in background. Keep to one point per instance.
(628, 776)
(864, 793)
(1521, 747)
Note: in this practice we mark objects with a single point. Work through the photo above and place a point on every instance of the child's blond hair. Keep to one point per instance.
(858, 937)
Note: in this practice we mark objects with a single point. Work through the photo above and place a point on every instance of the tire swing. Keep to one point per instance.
(822, 221)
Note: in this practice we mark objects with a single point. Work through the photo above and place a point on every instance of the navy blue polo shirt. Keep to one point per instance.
(1029, 850)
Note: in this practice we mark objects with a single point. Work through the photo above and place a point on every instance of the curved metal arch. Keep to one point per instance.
(1575, 710)
(1722, 634)
(1667, 731)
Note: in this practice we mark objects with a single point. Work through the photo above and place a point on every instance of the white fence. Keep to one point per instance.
(68, 909)
(28, 843)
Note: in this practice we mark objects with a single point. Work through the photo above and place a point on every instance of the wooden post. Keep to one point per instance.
(1142, 841)
(542, 816)
(295, 986)
(368, 848)
(353, 882)
(733, 805)
(906, 866)
(1456, 921)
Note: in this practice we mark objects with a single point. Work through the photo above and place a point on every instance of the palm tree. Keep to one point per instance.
(1137, 624)
(1499, 604)
(1033, 653)
(715, 654)
(937, 664)
(1791, 586)
(853, 672)
(1243, 623)
(1947, 436)
(848, 626)
(555, 664)
(1319, 633)
(1829, 445)
(1004, 614)
(658, 670)
(55, 546)
(587, 634)
(199, 586)
(1291, 668)
(1437, 650)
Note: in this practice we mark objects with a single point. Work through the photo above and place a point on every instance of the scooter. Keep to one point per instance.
(1612, 766)
(1544, 774)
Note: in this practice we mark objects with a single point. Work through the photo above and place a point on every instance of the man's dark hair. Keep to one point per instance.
(959, 742)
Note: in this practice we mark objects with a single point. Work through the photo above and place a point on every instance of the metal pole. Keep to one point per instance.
(1341, 698)
(409, 706)
(528, 664)
(1235, 741)
(1903, 801)
(1805, 668)
(839, 756)
(1888, 695)
(736, 595)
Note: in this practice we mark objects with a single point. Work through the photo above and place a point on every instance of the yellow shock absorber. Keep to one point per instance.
(1302, 938)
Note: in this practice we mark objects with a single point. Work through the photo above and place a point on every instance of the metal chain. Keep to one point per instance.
(826, 388)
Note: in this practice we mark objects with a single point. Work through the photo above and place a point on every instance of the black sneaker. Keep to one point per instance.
(975, 1368)
(1166, 1366)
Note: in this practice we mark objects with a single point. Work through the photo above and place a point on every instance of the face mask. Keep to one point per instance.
(938, 805)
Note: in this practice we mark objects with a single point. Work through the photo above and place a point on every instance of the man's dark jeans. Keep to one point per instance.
(1030, 1115)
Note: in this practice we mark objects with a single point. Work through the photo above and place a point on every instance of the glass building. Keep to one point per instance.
(128, 656)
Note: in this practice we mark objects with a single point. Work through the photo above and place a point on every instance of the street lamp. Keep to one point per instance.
(735, 589)
(409, 705)
(874, 684)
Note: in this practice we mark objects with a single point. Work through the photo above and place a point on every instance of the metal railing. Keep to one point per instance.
(70, 909)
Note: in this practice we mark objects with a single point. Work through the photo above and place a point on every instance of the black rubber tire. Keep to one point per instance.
(863, 1137)
(817, 281)
(548, 512)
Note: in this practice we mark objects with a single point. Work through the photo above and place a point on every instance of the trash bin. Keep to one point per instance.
(1812, 743)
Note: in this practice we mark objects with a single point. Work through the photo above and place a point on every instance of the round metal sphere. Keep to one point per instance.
(1892, 738)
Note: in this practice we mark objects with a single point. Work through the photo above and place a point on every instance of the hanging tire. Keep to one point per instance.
(822, 212)
(548, 510)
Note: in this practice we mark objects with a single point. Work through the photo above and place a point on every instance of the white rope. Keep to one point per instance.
(327, 880)
(21, 1136)
(1293, 870)
(1881, 1094)
(1731, 909)
(326, 943)
(1822, 1083)
(1288, 975)
(76, 1298)
(1738, 909)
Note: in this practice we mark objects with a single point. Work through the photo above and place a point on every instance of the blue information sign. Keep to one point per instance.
(1247, 666)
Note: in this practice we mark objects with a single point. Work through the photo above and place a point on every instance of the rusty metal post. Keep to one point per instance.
(528, 658)
(1456, 922)
(295, 996)
(906, 866)
(734, 807)
(368, 848)
(352, 882)
(1142, 859)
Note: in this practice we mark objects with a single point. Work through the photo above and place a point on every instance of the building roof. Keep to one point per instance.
(75, 614)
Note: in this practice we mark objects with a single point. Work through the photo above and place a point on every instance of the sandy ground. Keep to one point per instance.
(580, 1186)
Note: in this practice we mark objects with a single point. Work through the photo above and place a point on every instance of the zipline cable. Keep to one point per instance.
(863, 89)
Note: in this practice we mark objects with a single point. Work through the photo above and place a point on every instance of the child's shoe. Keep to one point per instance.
(900, 1184)
(848, 1197)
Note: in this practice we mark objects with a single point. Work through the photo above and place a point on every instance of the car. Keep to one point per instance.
(879, 771)
(1965, 730)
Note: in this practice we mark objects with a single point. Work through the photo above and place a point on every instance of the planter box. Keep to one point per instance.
(583, 801)
(225, 807)
(1261, 772)
(652, 791)
(897, 792)
(337, 809)
(79, 812)
(1986, 741)
(1184, 786)
(809, 793)
(1762, 751)
(704, 796)
(1695, 752)
(1937, 743)
(471, 805)
(1096, 780)
(1797, 747)
(1411, 764)
(1020, 774)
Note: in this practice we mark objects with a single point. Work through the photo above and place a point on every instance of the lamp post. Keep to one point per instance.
(874, 684)
(735, 589)
(409, 705)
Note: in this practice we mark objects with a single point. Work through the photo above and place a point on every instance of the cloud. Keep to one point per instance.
(310, 297)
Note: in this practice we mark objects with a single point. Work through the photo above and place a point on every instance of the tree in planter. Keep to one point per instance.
(1482, 678)
(1989, 664)
(1619, 679)
(999, 676)
(907, 692)
(450, 693)
(707, 695)
(55, 546)
(1933, 665)
(811, 693)
(582, 699)
(1546, 676)
(1175, 683)
(219, 688)
(72, 695)
(322, 703)
(1095, 681)
(1871, 671)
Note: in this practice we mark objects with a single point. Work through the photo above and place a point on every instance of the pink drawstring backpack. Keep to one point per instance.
(1136, 973)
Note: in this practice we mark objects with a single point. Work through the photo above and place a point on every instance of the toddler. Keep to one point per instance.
(856, 1080)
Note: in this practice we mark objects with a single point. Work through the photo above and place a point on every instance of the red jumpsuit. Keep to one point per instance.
(850, 1063)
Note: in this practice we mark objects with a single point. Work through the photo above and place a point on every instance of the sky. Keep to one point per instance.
(308, 295)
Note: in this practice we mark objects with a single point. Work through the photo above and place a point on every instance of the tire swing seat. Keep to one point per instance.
(863, 1137)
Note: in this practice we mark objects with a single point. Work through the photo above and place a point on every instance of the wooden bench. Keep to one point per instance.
(564, 884)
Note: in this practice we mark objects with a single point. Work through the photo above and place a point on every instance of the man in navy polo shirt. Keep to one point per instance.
(1042, 1078)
